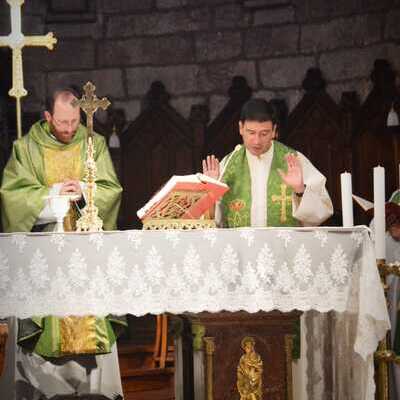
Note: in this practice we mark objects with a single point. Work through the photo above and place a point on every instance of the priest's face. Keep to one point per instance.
(257, 136)
(64, 120)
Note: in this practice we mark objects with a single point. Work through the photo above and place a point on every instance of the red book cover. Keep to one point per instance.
(184, 197)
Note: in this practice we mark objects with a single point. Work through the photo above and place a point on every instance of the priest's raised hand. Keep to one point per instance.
(294, 175)
(211, 167)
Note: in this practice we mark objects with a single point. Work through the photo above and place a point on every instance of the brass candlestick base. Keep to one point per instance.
(90, 221)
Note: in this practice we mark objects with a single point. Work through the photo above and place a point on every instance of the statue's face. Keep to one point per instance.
(64, 121)
(248, 347)
(257, 136)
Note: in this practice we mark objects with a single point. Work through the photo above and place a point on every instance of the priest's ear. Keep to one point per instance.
(241, 127)
(276, 132)
(47, 116)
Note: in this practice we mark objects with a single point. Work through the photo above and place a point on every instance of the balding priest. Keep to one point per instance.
(42, 360)
(270, 184)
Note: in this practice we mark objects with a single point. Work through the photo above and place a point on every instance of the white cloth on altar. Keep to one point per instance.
(323, 269)
(313, 208)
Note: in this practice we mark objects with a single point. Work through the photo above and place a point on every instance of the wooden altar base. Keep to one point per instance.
(273, 333)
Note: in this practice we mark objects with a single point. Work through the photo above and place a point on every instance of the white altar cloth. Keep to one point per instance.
(138, 272)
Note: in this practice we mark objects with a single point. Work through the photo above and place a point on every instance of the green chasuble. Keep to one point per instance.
(236, 203)
(39, 160)
(25, 181)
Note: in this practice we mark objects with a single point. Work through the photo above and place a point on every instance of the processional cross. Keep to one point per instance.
(90, 221)
(16, 40)
(283, 200)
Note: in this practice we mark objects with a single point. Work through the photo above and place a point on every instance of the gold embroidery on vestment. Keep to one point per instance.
(78, 335)
(60, 166)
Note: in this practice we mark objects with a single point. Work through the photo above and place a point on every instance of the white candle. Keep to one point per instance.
(379, 212)
(347, 201)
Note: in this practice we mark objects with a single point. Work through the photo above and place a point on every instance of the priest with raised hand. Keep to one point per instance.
(270, 184)
(43, 359)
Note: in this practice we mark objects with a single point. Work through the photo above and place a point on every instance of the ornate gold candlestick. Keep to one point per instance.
(90, 220)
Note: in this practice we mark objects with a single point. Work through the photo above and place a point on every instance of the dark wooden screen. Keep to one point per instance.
(375, 143)
(158, 144)
(222, 135)
(321, 130)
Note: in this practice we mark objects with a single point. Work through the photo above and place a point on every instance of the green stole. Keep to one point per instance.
(236, 203)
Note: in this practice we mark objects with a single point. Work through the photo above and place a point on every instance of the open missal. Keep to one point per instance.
(183, 197)
(391, 209)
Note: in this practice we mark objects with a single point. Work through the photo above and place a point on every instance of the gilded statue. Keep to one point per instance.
(249, 372)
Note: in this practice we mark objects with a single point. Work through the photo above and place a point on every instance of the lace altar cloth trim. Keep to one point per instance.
(141, 272)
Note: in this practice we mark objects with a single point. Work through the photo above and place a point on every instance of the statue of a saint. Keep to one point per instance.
(249, 372)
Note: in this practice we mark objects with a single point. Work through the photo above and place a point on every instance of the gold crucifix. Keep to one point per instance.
(16, 40)
(90, 221)
(90, 104)
(282, 199)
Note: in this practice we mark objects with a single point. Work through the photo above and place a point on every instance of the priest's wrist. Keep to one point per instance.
(300, 192)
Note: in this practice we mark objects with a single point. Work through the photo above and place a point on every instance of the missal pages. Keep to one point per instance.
(183, 197)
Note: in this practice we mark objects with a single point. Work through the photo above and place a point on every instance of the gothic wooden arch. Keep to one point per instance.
(321, 130)
(158, 144)
(222, 135)
(374, 142)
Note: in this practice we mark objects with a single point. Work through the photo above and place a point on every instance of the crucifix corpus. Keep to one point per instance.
(89, 103)
(16, 40)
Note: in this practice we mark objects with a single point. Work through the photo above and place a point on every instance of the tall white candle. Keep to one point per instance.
(347, 201)
(379, 212)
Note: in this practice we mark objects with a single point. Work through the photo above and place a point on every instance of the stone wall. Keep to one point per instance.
(195, 47)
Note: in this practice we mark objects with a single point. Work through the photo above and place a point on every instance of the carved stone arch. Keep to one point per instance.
(320, 129)
(158, 144)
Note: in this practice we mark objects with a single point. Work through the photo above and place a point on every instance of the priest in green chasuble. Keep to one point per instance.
(59, 356)
(270, 184)
(50, 160)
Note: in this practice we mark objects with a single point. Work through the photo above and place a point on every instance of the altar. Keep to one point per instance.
(322, 269)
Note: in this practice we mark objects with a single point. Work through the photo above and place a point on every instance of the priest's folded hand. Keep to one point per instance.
(71, 187)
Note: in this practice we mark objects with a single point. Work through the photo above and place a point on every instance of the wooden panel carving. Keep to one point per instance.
(375, 143)
(269, 331)
(3, 340)
(222, 134)
(158, 144)
(321, 130)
